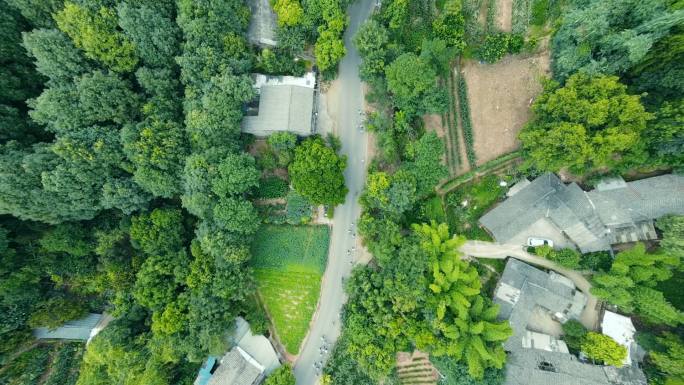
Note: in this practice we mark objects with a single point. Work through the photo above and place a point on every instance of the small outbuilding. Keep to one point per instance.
(621, 329)
(251, 359)
(80, 329)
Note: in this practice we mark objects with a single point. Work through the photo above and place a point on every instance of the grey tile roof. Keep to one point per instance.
(530, 366)
(644, 199)
(262, 23)
(236, 369)
(73, 330)
(257, 346)
(282, 108)
(587, 218)
(540, 367)
(533, 287)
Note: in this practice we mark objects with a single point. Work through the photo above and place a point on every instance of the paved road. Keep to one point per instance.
(326, 322)
(482, 249)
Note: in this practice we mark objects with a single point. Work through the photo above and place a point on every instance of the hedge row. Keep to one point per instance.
(520, 16)
(491, 17)
(466, 122)
(483, 169)
(452, 131)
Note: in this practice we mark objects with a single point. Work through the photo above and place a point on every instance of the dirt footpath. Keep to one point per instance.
(500, 96)
(504, 9)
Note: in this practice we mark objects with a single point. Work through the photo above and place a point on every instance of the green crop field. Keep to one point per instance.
(289, 262)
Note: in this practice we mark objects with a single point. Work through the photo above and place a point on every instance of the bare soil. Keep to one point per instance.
(504, 10)
(433, 122)
(500, 96)
(258, 147)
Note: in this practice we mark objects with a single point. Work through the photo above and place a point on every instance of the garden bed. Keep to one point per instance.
(47, 363)
(289, 262)
(468, 202)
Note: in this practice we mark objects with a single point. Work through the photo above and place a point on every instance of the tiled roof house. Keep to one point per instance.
(536, 358)
(615, 212)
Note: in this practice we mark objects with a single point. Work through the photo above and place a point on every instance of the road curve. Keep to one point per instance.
(326, 322)
(493, 250)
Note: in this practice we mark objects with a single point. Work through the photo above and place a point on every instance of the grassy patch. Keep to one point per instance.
(480, 170)
(497, 264)
(434, 210)
(290, 297)
(467, 203)
(289, 262)
(280, 247)
(672, 289)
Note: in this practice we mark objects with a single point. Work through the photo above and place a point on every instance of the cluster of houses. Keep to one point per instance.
(536, 303)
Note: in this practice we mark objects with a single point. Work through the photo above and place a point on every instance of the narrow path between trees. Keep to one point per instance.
(482, 249)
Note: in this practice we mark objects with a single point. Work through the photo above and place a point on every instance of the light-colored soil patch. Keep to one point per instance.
(331, 98)
(258, 147)
(500, 96)
(433, 122)
(504, 10)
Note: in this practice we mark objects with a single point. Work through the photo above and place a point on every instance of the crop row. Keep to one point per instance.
(466, 122)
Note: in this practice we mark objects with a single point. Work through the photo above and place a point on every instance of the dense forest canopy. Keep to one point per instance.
(124, 184)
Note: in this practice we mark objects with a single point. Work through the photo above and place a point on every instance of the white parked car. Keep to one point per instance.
(534, 242)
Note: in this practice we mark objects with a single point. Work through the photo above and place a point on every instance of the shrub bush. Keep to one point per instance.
(65, 365)
(298, 209)
(568, 258)
(27, 367)
(515, 43)
(273, 187)
(573, 334)
(598, 261)
(494, 47)
(540, 11)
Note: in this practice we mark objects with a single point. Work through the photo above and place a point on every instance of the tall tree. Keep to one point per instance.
(38, 12)
(610, 37)
(56, 56)
(411, 81)
(371, 41)
(156, 37)
(465, 325)
(316, 173)
(97, 33)
(589, 124)
(631, 280)
(664, 135)
(672, 227)
(424, 162)
(602, 348)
